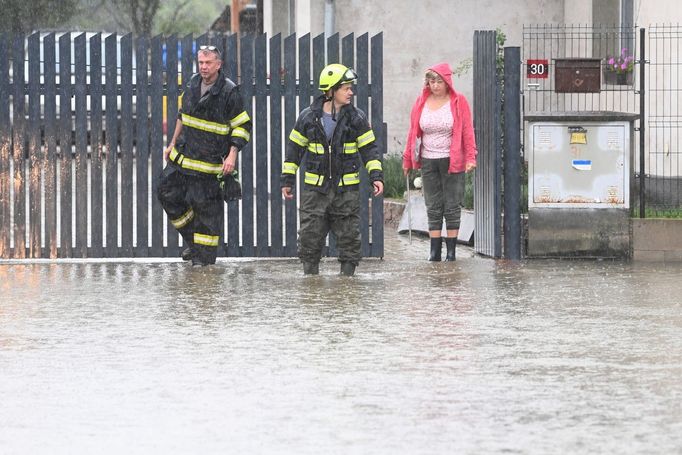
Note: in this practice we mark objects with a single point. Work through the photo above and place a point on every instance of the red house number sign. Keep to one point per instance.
(537, 69)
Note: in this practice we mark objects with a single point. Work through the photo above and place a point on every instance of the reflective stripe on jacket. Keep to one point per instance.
(353, 144)
(211, 124)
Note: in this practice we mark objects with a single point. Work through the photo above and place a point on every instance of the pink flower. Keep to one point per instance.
(622, 63)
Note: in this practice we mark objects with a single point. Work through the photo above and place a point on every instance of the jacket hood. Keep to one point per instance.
(443, 69)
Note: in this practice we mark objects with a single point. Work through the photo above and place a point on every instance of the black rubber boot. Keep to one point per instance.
(311, 268)
(435, 249)
(347, 268)
(450, 244)
(187, 254)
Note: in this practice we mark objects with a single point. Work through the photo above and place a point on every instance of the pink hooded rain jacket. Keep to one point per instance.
(463, 145)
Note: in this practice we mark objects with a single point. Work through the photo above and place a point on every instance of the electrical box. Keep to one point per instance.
(579, 164)
(577, 75)
(579, 183)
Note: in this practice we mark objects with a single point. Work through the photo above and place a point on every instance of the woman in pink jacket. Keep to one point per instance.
(441, 142)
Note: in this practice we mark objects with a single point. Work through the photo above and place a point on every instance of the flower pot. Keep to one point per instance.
(613, 78)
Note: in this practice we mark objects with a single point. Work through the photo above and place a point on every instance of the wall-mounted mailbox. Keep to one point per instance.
(577, 75)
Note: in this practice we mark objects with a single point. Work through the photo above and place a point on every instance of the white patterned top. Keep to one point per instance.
(437, 132)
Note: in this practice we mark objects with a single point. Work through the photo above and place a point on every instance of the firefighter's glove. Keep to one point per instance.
(230, 187)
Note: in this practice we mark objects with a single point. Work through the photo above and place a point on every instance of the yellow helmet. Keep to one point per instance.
(334, 75)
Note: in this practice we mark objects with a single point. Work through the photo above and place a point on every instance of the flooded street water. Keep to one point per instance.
(408, 357)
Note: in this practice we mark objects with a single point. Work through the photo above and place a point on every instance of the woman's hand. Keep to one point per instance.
(469, 167)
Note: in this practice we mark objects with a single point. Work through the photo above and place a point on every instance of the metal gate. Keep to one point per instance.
(660, 146)
(487, 179)
(82, 127)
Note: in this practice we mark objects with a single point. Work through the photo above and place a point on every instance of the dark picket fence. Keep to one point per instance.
(83, 122)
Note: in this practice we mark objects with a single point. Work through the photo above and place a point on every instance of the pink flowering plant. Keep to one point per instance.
(622, 64)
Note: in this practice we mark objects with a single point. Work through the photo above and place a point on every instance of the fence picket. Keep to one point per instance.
(290, 112)
(157, 144)
(171, 112)
(96, 148)
(50, 161)
(65, 151)
(142, 147)
(18, 136)
(111, 135)
(81, 143)
(35, 155)
(260, 134)
(247, 154)
(5, 145)
(126, 126)
(276, 158)
(362, 102)
(377, 119)
(230, 67)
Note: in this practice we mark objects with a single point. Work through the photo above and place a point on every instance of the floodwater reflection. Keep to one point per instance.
(411, 357)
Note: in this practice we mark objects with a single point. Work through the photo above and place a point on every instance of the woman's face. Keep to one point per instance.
(437, 86)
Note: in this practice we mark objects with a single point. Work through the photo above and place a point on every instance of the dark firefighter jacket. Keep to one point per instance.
(210, 126)
(335, 165)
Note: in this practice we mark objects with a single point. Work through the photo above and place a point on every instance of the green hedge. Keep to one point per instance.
(394, 180)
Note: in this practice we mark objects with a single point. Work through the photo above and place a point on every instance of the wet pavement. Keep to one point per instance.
(409, 357)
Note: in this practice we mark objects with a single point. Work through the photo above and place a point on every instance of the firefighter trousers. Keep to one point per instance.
(335, 211)
(194, 205)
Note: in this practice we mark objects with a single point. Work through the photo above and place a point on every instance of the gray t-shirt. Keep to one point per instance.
(329, 124)
(206, 87)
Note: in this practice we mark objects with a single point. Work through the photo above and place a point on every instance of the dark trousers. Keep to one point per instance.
(320, 213)
(194, 206)
(443, 194)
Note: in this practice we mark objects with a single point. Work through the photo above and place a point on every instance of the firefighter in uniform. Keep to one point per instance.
(336, 139)
(212, 127)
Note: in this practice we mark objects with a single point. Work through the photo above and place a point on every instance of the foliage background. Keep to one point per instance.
(148, 17)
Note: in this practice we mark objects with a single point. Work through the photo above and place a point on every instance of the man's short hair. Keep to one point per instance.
(211, 48)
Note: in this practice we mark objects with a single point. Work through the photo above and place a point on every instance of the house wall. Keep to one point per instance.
(417, 35)
(650, 12)
(420, 33)
(578, 12)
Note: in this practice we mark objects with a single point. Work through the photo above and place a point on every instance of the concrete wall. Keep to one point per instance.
(657, 240)
(566, 232)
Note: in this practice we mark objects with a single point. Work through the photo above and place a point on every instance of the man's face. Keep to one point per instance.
(344, 94)
(209, 65)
